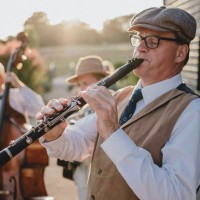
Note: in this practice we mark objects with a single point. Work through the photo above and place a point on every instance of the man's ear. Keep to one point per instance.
(181, 53)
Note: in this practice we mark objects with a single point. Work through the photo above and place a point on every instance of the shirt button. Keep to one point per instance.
(92, 197)
(100, 171)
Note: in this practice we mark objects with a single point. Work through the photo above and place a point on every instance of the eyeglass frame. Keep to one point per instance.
(178, 40)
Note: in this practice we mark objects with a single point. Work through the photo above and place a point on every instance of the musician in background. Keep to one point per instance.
(145, 140)
(89, 70)
(21, 98)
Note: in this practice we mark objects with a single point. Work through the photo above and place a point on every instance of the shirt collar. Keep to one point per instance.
(153, 91)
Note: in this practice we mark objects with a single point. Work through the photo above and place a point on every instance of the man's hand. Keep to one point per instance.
(48, 110)
(103, 103)
(13, 79)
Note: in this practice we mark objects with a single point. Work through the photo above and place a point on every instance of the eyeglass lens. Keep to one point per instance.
(150, 41)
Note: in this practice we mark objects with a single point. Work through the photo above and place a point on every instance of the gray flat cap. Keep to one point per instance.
(166, 20)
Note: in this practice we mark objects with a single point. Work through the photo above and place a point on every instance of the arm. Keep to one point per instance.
(178, 178)
(22, 98)
(74, 142)
(25, 100)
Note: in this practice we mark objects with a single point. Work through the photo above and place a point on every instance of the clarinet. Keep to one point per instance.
(49, 122)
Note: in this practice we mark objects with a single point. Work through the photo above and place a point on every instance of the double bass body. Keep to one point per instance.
(10, 173)
(22, 177)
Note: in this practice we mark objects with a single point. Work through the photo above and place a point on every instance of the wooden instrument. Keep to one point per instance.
(22, 178)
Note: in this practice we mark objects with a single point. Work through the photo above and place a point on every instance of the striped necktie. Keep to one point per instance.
(130, 108)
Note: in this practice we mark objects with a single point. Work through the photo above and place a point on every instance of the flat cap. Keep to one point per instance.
(166, 19)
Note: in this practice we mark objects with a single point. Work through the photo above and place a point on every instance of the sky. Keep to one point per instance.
(14, 13)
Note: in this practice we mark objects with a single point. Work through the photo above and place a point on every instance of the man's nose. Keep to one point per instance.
(82, 87)
(141, 46)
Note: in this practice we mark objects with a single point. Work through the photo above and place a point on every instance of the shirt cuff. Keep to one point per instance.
(118, 146)
(51, 144)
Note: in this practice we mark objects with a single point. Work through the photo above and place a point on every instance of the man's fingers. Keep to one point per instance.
(53, 106)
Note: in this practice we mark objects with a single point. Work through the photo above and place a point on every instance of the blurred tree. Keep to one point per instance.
(78, 32)
(66, 33)
(43, 34)
(37, 28)
(74, 32)
(32, 71)
(115, 30)
(34, 40)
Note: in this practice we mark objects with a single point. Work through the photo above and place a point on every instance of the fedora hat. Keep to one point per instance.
(108, 66)
(88, 65)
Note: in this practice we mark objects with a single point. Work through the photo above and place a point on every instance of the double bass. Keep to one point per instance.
(22, 178)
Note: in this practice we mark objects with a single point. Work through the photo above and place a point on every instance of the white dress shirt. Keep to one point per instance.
(179, 175)
(25, 101)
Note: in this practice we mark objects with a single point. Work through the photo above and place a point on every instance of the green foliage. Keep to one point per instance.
(35, 77)
(33, 71)
(115, 30)
(74, 32)
(33, 36)
(65, 33)
(130, 79)
(77, 39)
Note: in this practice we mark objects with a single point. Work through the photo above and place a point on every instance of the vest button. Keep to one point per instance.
(100, 171)
(92, 197)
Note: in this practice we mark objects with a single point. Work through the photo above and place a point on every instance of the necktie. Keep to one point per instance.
(130, 108)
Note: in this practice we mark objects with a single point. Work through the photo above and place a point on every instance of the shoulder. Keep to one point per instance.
(195, 104)
(14, 92)
(192, 111)
(124, 91)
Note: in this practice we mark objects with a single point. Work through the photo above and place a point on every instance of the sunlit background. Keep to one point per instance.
(61, 31)
(94, 12)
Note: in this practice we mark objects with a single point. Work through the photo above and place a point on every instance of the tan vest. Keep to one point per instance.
(149, 129)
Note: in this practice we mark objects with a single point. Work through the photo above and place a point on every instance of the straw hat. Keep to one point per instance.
(108, 66)
(87, 65)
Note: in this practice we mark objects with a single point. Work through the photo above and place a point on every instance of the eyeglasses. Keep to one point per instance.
(151, 42)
